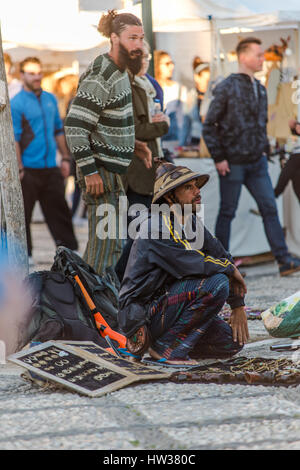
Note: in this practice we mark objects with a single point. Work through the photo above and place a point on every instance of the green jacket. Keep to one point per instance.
(138, 177)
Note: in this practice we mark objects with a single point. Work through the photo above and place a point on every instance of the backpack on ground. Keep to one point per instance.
(73, 302)
(104, 289)
(57, 312)
(100, 293)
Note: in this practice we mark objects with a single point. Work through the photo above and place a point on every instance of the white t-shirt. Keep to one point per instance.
(172, 94)
(14, 87)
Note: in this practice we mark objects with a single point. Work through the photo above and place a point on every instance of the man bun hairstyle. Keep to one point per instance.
(244, 44)
(114, 22)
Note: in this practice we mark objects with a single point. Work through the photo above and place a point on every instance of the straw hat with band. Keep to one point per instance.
(169, 177)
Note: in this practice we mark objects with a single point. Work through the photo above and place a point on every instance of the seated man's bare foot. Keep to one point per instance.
(179, 362)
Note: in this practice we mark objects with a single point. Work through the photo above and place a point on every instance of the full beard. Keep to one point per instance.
(34, 87)
(132, 61)
(193, 204)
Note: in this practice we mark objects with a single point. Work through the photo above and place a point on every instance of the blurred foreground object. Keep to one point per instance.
(14, 307)
(12, 222)
(282, 320)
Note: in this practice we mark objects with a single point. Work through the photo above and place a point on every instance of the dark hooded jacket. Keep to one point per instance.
(235, 127)
(155, 262)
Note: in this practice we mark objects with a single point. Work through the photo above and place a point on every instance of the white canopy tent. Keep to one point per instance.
(54, 26)
(60, 25)
(224, 16)
(191, 15)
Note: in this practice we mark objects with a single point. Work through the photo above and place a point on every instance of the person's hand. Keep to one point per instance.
(158, 117)
(223, 168)
(142, 151)
(294, 126)
(65, 168)
(237, 283)
(161, 117)
(94, 185)
(21, 173)
(239, 325)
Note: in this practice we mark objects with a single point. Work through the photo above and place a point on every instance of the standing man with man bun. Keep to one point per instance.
(100, 129)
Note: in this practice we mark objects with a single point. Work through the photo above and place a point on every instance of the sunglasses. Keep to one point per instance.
(32, 74)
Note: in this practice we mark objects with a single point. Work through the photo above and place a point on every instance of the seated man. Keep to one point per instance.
(173, 292)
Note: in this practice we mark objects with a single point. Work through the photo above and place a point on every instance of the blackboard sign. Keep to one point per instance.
(141, 371)
(76, 369)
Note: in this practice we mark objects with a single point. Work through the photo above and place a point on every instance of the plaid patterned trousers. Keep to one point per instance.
(185, 322)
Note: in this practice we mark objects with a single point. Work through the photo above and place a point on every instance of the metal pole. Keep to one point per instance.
(298, 72)
(148, 28)
(213, 71)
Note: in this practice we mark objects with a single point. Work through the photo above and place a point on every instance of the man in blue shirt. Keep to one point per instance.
(39, 133)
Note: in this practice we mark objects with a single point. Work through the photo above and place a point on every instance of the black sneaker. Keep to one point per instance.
(292, 265)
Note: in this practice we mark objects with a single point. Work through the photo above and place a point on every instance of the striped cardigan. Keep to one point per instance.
(99, 126)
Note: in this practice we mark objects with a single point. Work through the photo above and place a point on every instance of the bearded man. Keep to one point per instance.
(100, 129)
(177, 279)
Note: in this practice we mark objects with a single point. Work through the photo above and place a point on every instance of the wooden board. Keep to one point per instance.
(73, 368)
(140, 371)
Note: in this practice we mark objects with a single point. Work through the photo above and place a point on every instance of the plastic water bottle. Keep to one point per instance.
(156, 107)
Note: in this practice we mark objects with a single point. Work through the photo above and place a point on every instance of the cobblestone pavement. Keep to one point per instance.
(157, 416)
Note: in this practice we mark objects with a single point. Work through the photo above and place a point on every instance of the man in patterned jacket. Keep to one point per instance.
(236, 135)
(100, 129)
(177, 280)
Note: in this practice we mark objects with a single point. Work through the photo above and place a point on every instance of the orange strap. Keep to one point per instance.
(100, 322)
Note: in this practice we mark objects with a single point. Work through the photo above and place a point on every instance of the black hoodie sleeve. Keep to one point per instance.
(216, 111)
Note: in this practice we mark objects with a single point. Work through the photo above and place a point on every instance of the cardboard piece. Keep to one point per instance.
(73, 368)
(140, 371)
(281, 112)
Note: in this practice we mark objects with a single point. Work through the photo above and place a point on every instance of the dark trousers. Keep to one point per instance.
(133, 198)
(290, 172)
(256, 178)
(47, 187)
(184, 322)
